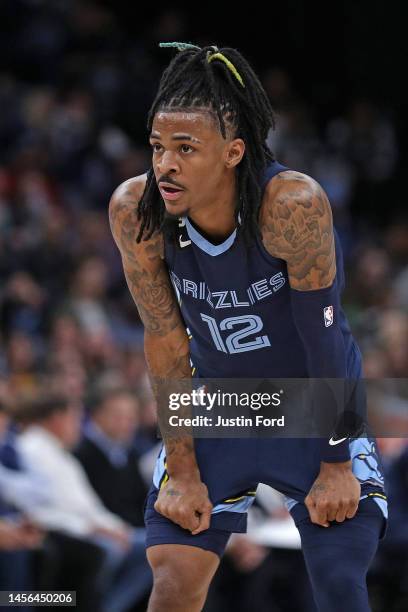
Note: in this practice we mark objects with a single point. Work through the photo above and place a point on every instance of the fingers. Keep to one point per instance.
(341, 513)
(195, 521)
(347, 509)
(204, 519)
(323, 512)
(185, 517)
(317, 512)
(352, 508)
(332, 509)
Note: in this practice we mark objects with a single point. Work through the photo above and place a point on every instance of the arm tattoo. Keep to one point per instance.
(167, 355)
(144, 269)
(296, 225)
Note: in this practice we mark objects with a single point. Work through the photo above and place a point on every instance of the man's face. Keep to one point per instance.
(118, 418)
(66, 425)
(192, 157)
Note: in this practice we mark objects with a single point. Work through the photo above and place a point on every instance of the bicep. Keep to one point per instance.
(297, 226)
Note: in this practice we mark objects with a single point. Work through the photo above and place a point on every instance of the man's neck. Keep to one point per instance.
(216, 220)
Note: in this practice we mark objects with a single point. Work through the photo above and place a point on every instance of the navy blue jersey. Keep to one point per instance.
(235, 302)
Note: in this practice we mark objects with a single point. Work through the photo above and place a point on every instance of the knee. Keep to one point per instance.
(173, 592)
(175, 584)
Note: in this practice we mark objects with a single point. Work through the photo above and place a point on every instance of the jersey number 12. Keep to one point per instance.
(234, 341)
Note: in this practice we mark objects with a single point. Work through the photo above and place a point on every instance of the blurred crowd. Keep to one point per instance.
(73, 105)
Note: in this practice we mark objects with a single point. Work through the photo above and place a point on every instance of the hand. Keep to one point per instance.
(120, 536)
(335, 494)
(246, 555)
(185, 502)
(19, 536)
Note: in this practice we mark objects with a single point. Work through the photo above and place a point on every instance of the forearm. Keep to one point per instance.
(169, 369)
(166, 342)
(316, 315)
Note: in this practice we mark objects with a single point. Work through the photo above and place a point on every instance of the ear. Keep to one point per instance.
(234, 152)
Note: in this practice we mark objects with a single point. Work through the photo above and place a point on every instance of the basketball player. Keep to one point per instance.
(236, 271)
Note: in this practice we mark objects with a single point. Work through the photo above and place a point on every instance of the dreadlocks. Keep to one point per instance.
(221, 82)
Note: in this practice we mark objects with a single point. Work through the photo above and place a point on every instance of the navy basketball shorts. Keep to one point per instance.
(232, 469)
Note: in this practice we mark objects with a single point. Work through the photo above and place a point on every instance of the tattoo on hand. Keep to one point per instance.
(318, 487)
(173, 493)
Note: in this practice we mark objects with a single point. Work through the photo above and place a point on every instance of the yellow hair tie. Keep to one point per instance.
(229, 65)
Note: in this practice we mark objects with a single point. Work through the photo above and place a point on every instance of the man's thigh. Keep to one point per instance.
(338, 557)
(162, 531)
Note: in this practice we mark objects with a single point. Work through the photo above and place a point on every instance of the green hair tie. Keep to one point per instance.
(228, 63)
(179, 45)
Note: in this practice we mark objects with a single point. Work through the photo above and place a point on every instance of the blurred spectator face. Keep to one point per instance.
(393, 334)
(55, 226)
(66, 333)
(93, 230)
(4, 421)
(118, 417)
(70, 377)
(375, 364)
(65, 425)
(134, 367)
(397, 241)
(37, 106)
(20, 353)
(373, 268)
(23, 289)
(34, 192)
(132, 162)
(91, 279)
(99, 350)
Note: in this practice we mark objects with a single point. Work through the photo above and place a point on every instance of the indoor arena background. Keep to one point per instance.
(76, 82)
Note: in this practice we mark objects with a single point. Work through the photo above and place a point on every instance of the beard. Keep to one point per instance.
(174, 216)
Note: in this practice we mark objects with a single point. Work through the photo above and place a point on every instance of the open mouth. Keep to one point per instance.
(171, 189)
(169, 192)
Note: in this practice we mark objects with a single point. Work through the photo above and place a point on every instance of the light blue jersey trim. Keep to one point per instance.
(204, 245)
(159, 468)
(289, 503)
(242, 506)
(382, 503)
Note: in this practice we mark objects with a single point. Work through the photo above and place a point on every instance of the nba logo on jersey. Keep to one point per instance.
(328, 316)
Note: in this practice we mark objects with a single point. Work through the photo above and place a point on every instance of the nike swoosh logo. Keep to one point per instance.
(334, 442)
(184, 243)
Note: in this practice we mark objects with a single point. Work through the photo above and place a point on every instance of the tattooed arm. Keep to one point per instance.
(184, 499)
(296, 226)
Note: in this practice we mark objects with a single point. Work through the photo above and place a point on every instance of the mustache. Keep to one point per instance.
(170, 181)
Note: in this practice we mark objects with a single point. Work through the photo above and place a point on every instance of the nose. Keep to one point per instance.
(168, 163)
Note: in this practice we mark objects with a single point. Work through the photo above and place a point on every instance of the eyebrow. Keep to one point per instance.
(177, 137)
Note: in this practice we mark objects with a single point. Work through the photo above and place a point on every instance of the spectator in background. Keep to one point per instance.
(109, 457)
(388, 578)
(19, 537)
(88, 305)
(74, 508)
